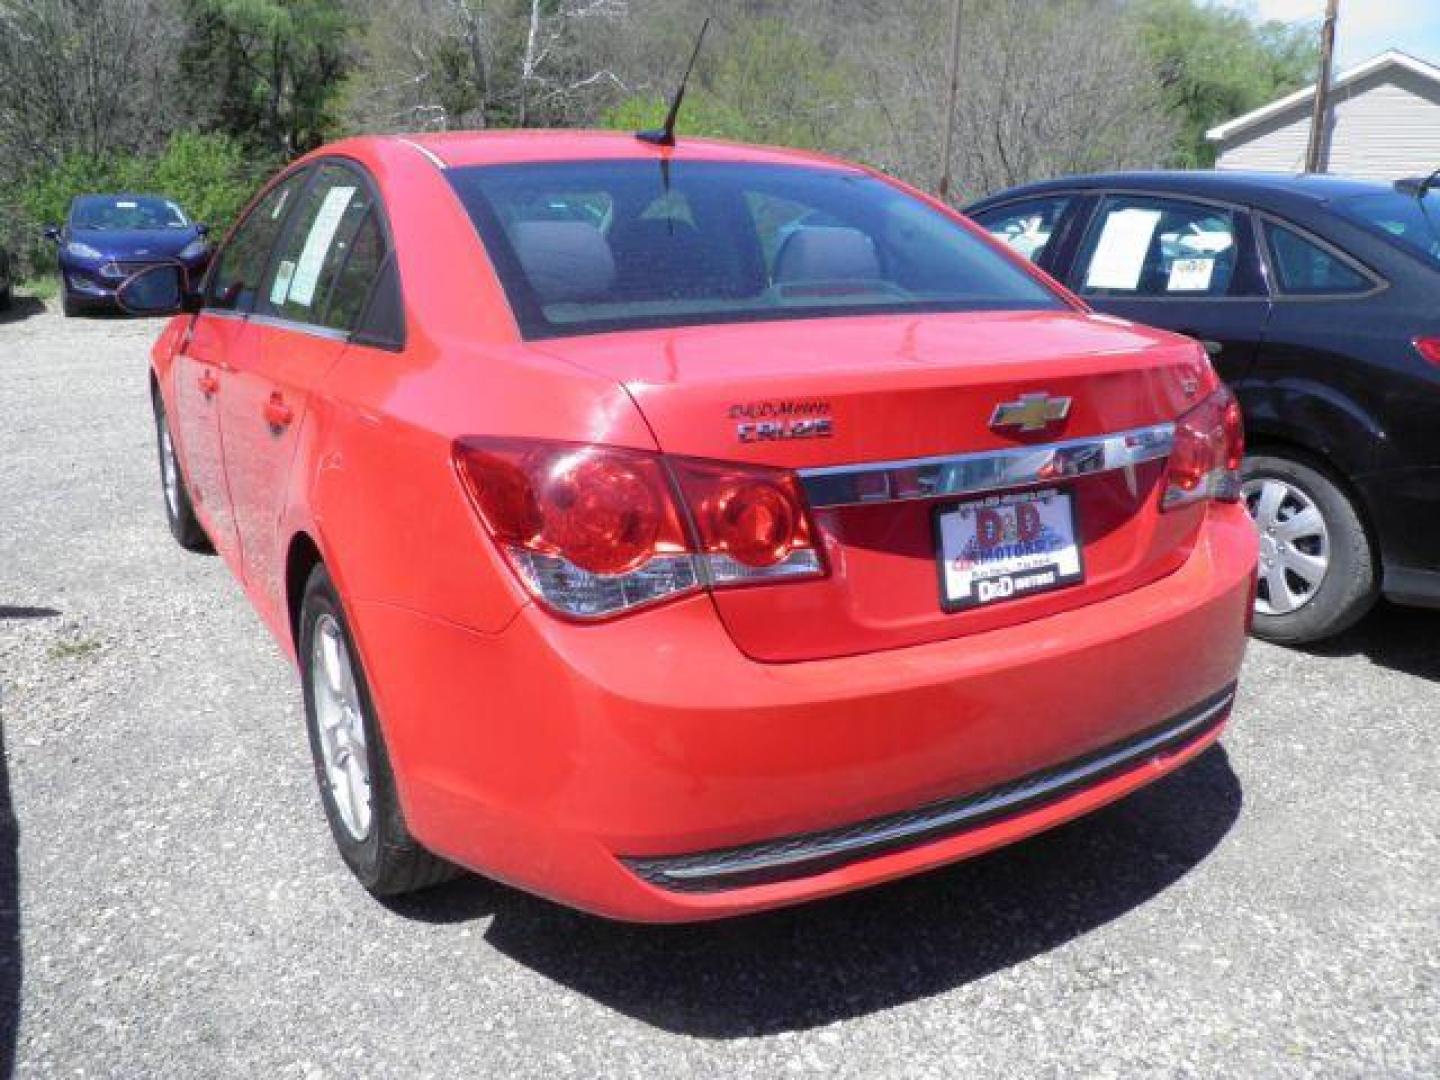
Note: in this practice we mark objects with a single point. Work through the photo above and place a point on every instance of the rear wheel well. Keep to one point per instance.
(300, 560)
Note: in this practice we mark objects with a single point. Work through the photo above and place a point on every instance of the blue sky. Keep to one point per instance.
(1366, 27)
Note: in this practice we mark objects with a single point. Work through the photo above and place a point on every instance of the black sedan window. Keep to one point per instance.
(582, 247)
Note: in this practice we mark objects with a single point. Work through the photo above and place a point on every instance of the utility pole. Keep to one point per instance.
(943, 190)
(1315, 156)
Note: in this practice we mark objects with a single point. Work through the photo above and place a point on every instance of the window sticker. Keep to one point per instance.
(317, 246)
(1119, 257)
(1190, 275)
(284, 273)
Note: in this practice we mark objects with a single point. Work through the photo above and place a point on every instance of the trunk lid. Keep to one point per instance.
(826, 396)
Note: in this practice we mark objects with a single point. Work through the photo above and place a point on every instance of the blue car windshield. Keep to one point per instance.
(123, 212)
(1399, 216)
(592, 246)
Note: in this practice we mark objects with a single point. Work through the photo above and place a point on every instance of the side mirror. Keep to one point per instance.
(156, 290)
(202, 229)
(52, 232)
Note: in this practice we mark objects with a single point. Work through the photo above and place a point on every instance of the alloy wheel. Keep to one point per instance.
(341, 724)
(169, 469)
(1294, 544)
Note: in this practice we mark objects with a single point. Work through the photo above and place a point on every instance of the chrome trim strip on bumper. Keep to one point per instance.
(987, 470)
(812, 853)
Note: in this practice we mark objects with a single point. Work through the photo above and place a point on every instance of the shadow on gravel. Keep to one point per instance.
(21, 307)
(9, 920)
(857, 954)
(1403, 639)
(28, 612)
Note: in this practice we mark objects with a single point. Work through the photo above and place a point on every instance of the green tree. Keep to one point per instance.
(1214, 64)
(267, 71)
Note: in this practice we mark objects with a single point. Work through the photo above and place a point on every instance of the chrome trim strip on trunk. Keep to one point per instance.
(986, 470)
(812, 853)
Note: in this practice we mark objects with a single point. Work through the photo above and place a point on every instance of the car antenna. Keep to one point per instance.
(665, 134)
(1420, 188)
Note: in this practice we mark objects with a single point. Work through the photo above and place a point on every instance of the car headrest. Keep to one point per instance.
(564, 260)
(827, 253)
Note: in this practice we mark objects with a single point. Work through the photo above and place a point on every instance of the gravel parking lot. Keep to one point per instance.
(173, 906)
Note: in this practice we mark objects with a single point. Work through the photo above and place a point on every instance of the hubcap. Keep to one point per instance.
(342, 726)
(1294, 544)
(169, 470)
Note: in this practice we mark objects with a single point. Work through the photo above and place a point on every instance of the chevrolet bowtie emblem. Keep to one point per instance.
(1031, 413)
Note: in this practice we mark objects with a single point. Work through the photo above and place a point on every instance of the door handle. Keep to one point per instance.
(277, 414)
(209, 384)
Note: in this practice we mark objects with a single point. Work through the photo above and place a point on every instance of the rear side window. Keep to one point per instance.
(583, 247)
(311, 279)
(1026, 226)
(1139, 246)
(241, 262)
(1304, 268)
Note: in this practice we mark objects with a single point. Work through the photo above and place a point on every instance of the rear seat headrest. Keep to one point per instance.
(564, 260)
(827, 253)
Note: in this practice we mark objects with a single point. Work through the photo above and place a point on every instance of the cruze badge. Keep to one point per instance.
(1031, 412)
(771, 421)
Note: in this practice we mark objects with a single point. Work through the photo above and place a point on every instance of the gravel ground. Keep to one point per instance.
(176, 909)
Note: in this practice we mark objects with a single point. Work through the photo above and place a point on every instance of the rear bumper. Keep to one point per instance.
(573, 760)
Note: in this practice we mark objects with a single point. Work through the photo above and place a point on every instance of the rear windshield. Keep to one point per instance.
(126, 212)
(583, 247)
(1412, 223)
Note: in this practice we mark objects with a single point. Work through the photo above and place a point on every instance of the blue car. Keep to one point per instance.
(107, 238)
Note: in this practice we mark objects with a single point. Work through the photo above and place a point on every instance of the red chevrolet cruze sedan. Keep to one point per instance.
(683, 531)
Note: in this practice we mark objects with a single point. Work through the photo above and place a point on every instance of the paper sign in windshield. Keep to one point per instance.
(1190, 275)
(317, 246)
(1120, 255)
(284, 273)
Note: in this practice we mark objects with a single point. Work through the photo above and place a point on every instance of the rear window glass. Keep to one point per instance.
(1401, 218)
(583, 247)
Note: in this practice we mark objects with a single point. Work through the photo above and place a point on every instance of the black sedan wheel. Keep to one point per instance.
(1317, 571)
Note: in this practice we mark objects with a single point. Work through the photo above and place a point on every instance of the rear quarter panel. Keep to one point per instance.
(373, 481)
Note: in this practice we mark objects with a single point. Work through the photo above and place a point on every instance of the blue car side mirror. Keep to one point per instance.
(52, 232)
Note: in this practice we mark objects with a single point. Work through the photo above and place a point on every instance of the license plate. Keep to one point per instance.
(1006, 546)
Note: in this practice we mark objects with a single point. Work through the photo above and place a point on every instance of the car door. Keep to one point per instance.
(310, 297)
(1180, 264)
(219, 335)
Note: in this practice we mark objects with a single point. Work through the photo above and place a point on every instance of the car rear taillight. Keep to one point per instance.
(594, 531)
(751, 523)
(1208, 452)
(1429, 348)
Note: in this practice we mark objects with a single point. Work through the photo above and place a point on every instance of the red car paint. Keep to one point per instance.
(547, 751)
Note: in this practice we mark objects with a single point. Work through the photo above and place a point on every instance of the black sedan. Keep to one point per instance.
(1319, 300)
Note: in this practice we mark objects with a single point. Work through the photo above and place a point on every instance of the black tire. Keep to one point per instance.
(387, 860)
(1350, 585)
(69, 305)
(179, 510)
(5, 298)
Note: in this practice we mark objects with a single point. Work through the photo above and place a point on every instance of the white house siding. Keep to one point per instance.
(1385, 125)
